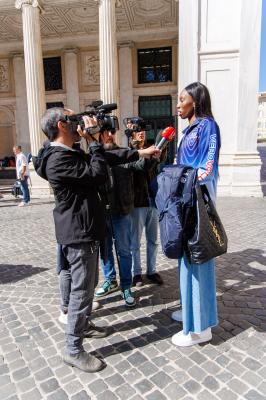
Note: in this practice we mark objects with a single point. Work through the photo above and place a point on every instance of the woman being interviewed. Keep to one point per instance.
(199, 148)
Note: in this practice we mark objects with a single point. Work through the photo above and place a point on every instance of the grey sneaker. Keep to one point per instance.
(95, 332)
(129, 298)
(84, 361)
(106, 288)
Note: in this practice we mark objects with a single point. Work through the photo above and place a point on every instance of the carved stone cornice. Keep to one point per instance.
(117, 2)
(17, 54)
(126, 43)
(74, 50)
(34, 3)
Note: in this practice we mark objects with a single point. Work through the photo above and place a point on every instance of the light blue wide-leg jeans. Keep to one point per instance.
(198, 295)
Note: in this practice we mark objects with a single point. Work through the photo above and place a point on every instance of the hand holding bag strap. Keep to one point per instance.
(209, 239)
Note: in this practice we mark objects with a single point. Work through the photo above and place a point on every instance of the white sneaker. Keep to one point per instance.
(95, 305)
(22, 204)
(62, 318)
(179, 339)
(177, 316)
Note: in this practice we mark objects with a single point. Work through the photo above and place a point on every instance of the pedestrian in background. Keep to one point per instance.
(23, 173)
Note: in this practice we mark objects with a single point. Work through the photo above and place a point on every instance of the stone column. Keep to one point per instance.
(108, 52)
(34, 69)
(22, 121)
(126, 85)
(72, 83)
(225, 57)
(35, 84)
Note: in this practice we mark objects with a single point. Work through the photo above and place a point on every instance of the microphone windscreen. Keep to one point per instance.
(169, 133)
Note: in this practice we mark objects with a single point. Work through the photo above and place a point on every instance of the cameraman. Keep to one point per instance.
(79, 217)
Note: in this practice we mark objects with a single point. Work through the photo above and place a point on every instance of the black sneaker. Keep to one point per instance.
(84, 361)
(137, 280)
(95, 332)
(155, 278)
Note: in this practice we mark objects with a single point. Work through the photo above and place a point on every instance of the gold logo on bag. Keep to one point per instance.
(216, 233)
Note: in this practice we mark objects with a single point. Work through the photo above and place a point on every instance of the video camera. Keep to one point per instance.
(135, 124)
(101, 111)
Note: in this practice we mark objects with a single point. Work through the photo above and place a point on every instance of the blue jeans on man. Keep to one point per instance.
(144, 217)
(121, 225)
(25, 189)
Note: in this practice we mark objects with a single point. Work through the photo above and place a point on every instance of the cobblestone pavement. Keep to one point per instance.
(141, 361)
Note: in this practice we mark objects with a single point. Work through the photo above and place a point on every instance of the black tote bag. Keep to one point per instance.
(209, 239)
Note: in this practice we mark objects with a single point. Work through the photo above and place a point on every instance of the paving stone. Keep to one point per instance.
(132, 375)
(211, 383)
(224, 376)
(4, 380)
(123, 366)
(191, 386)
(58, 395)
(44, 374)
(197, 373)
(115, 380)
(226, 394)
(148, 369)
(222, 360)
(21, 374)
(125, 391)
(161, 379)
(137, 359)
(251, 378)
(252, 364)
(107, 395)
(206, 395)
(50, 385)
(197, 357)
(4, 369)
(144, 386)
(174, 391)
(37, 364)
(26, 385)
(8, 390)
(238, 386)
(81, 396)
(254, 395)
(235, 368)
(32, 395)
(98, 386)
(156, 395)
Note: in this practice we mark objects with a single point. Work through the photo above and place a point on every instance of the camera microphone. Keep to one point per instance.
(168, 134)
(108, 107)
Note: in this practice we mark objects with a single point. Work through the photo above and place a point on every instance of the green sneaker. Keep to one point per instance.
(129, 298)
(106, 288)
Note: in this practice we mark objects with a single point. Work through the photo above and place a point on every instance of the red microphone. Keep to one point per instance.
(168, 134)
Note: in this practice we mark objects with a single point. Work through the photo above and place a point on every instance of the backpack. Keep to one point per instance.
(174, 199)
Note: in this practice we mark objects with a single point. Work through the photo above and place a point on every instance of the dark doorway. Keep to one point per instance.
(157, 112)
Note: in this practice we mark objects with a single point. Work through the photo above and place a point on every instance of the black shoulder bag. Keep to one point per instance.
(209, 239)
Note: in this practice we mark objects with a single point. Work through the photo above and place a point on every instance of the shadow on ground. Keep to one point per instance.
(241, 301)
(11, 273)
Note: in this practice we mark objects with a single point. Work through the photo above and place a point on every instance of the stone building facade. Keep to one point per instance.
(140, 54)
